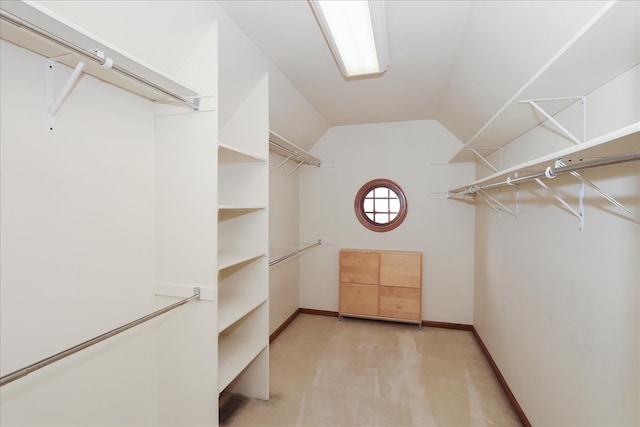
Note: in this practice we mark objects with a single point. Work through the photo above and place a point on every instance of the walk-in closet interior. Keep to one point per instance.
(202, 201)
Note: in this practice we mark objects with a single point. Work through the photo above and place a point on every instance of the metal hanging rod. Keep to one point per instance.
(294, 253)
(552, 172)
(6, 379)
(295, 155)
(95, 56)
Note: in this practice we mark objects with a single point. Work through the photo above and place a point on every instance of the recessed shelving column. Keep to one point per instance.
(243, 272)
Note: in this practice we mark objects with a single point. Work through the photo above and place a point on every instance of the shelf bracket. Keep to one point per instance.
(579, 213)
(284, 162)
(55, 101)
(572, 137)
(635, 216)
(294, 169)
(495, 204)
(484, 159)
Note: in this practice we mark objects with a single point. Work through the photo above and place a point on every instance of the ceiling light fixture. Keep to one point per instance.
(357, 34)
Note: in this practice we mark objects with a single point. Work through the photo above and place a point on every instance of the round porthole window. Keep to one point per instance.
(380, 205)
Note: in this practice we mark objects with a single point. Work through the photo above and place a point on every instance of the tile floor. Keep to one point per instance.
(357, 372)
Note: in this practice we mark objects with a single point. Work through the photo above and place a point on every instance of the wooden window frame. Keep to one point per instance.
(358, 205)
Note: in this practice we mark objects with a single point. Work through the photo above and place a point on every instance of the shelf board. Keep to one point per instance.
(234, 306)
(229, 154)
(48, 21)
(605, 48)
(235, 353)
(610, 144)
(227, 212)
(241, 207)
(228, 259)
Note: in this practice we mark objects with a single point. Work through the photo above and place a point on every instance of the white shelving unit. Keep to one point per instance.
(89, 49)
(605, 48)
(618, 142)
(243, 272)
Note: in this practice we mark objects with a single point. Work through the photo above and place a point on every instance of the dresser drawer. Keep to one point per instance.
(401, 269)
(359, 267)
(359, 299)
(399, 303)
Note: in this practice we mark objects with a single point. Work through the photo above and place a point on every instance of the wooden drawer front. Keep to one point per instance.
(401, 269)
(400, 303)
(359, 299)
(359, 267)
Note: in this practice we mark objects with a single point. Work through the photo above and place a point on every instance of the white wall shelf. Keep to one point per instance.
(241, 208)
(607, 46)
(229, 154)
(46, 33)
(235, 353)
(620, 141)
(234, 306)
(227, 259)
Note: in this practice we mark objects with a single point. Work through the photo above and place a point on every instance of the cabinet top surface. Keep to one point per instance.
(393, 251)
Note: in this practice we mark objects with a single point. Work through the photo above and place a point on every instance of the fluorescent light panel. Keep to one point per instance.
(356, 32)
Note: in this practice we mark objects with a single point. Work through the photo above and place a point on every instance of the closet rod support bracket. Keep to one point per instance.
(55, 101)
(579, 213)
(583, 180)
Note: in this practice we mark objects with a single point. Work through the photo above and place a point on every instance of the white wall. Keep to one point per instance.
(78, 249)
(414, 154)
(558, 307)
(242, 65)
(283, 238)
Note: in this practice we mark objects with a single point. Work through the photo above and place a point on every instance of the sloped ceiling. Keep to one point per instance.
(455, 61)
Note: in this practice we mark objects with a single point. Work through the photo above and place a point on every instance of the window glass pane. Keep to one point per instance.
(370, 216)
(392, 216)
(392, 194)
(382, 205)
(382, 218)
(381, 192)
(394, 205)
(368, 205)
(370, 194)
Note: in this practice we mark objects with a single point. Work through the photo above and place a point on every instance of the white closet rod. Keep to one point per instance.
(551, 172)
(94, 56)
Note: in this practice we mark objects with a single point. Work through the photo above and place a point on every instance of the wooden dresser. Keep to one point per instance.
(381, 284)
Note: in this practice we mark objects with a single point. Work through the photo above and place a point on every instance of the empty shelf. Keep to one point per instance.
(235, 353)
(228, 259)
